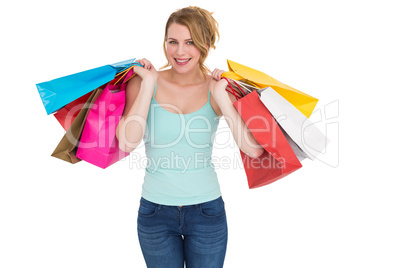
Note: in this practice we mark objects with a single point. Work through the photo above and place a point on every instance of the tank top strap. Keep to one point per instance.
(209, 95)
(156, 85)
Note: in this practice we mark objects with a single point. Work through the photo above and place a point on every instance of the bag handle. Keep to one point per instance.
(241, 88)
(126, 74)
(233, 91)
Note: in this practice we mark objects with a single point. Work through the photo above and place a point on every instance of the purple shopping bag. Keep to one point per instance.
(98, 144)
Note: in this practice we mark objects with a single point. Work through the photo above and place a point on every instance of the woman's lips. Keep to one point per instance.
(182, 61)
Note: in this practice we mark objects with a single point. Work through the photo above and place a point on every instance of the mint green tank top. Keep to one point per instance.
(178, 148)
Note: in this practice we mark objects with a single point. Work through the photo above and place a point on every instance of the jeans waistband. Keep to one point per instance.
(143, 200)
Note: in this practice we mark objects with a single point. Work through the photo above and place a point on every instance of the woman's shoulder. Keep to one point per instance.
(163, 77)
(163, 72)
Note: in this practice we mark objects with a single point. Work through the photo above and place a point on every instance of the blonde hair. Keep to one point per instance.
(203, 29)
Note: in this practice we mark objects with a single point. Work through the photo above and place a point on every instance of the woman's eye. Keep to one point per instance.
(175, 42)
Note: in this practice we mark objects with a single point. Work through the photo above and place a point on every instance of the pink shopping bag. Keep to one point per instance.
(98, 144)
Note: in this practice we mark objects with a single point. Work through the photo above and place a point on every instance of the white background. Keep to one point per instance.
(343, 210)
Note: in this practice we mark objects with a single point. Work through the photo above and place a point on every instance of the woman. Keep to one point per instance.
(176, 111)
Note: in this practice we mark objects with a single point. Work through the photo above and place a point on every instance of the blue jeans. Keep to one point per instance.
(171, 236)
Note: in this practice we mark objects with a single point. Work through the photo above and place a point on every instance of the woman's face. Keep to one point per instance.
(181, 52)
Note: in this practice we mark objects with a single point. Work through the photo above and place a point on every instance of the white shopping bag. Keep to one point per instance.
(296, 149)
(308, 140)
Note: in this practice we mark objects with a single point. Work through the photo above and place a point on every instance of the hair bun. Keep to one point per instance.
(211, 23)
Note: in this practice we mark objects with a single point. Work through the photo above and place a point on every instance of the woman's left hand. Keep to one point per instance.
(217, 85)
(243, 137)
(217, 74)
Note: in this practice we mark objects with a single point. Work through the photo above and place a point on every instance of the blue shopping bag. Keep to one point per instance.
(60, 91)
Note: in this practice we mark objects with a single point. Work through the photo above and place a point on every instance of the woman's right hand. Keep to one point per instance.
(147, 72)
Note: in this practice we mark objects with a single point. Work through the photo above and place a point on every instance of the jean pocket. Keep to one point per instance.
(146, 209)
(213, 209)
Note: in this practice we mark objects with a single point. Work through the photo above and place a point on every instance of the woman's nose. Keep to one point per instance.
(180, 50)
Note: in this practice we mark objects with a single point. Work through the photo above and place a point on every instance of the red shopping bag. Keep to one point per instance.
(68, 113)
(278, 160)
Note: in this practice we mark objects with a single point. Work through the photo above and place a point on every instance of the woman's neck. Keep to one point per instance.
(186, 79)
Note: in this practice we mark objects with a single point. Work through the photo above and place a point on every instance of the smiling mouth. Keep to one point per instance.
(182, 60)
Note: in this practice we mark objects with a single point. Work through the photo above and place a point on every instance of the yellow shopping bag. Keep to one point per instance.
(303, 102)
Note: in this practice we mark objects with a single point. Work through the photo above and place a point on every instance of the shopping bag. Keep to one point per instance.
(66, 115)
(58, 92)
(302, 101)
(296, 149)
(67, 148)
(300, 129)
(278, 159)
(98, 144)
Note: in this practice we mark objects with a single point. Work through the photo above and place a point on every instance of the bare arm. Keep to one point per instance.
(242, 135)
(139, 91)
